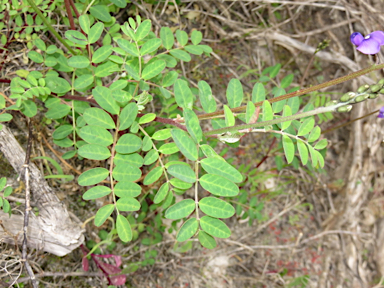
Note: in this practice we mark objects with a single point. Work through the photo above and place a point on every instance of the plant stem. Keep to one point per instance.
(301, 91)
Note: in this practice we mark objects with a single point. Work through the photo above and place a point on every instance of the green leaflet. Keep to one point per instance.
(289, 148)
(103, 213)
(128, 143)
(96, 192)
(258, 93)
(104, 98)
(128, 204)
(216, 207)
(150, 46)
(167, 38)
(218, 185)
(94, 152)
(98, 117)
(96, 135)
(123, 228)
(102, 53)
(183, 94)
(153, 175)
(161, 193)
(182, 172)
(127, 189)
(193, 125)
(128, 115)
(188, 229)
(220, 167)
(303, 151)
(126, 173)
(214, 227)
(234, 93)
(207, 240)
(185, 143)
(206, 98)
(229, 117)
(153, 69)
(306, 127)
(181, 209)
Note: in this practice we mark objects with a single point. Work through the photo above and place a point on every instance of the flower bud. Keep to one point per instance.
(330, 103)
(345, 108)
(363, 88)
(375, 88)
(381, 82)
(348, 96)
(381, 91)
(373, 95)
(361, 98)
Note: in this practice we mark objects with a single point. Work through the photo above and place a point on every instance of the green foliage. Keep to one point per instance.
(6, 191)
(124, 74)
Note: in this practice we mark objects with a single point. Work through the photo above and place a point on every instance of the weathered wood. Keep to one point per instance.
(53, 230)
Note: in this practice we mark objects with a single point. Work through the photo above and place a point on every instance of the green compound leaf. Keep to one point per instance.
(100, 12)
(150, 46)
(229, 117)
(289, 148)
(220, 167)
(181, 55)
(128, 47)
(143, 30)
(183, 94)
(182, 172)
(102, 53)
(94, 152)
(215, 207)
(182, 37)
(162, 135)
(168, 148)
(103, 213)
(218, 185)
(167, 38)
(267, 111)
(128, 204)
(196, 37)
(151, 157)
(104, 98)
(83, 81)
(58, 111)
(315, 134)
(161, 193)
(153, 69)
(206, 98)
(78, 62)
(76, 37)
(123, 228)
(84, 23)
(286, 112)
(153, 175)
(128, 115)
(303, 151)
(126, 173)
(207, 240)
(193, 125)
(98, 117)
(188, 229)
(306, 127)
(97, 192)
(181, 209)
(96, 135)
(185, 143)
(127, 189)
(214, 227)
(321, 144)
(128, 143)
(95, 32)
(234, 93)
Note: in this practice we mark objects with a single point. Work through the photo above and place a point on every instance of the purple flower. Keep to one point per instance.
(381, 112)
(369, 44)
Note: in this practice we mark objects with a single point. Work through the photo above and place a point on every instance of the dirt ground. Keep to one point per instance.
(317, 229)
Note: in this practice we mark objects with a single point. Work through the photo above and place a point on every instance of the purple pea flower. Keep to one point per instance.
(369, 44)
(381, 112)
